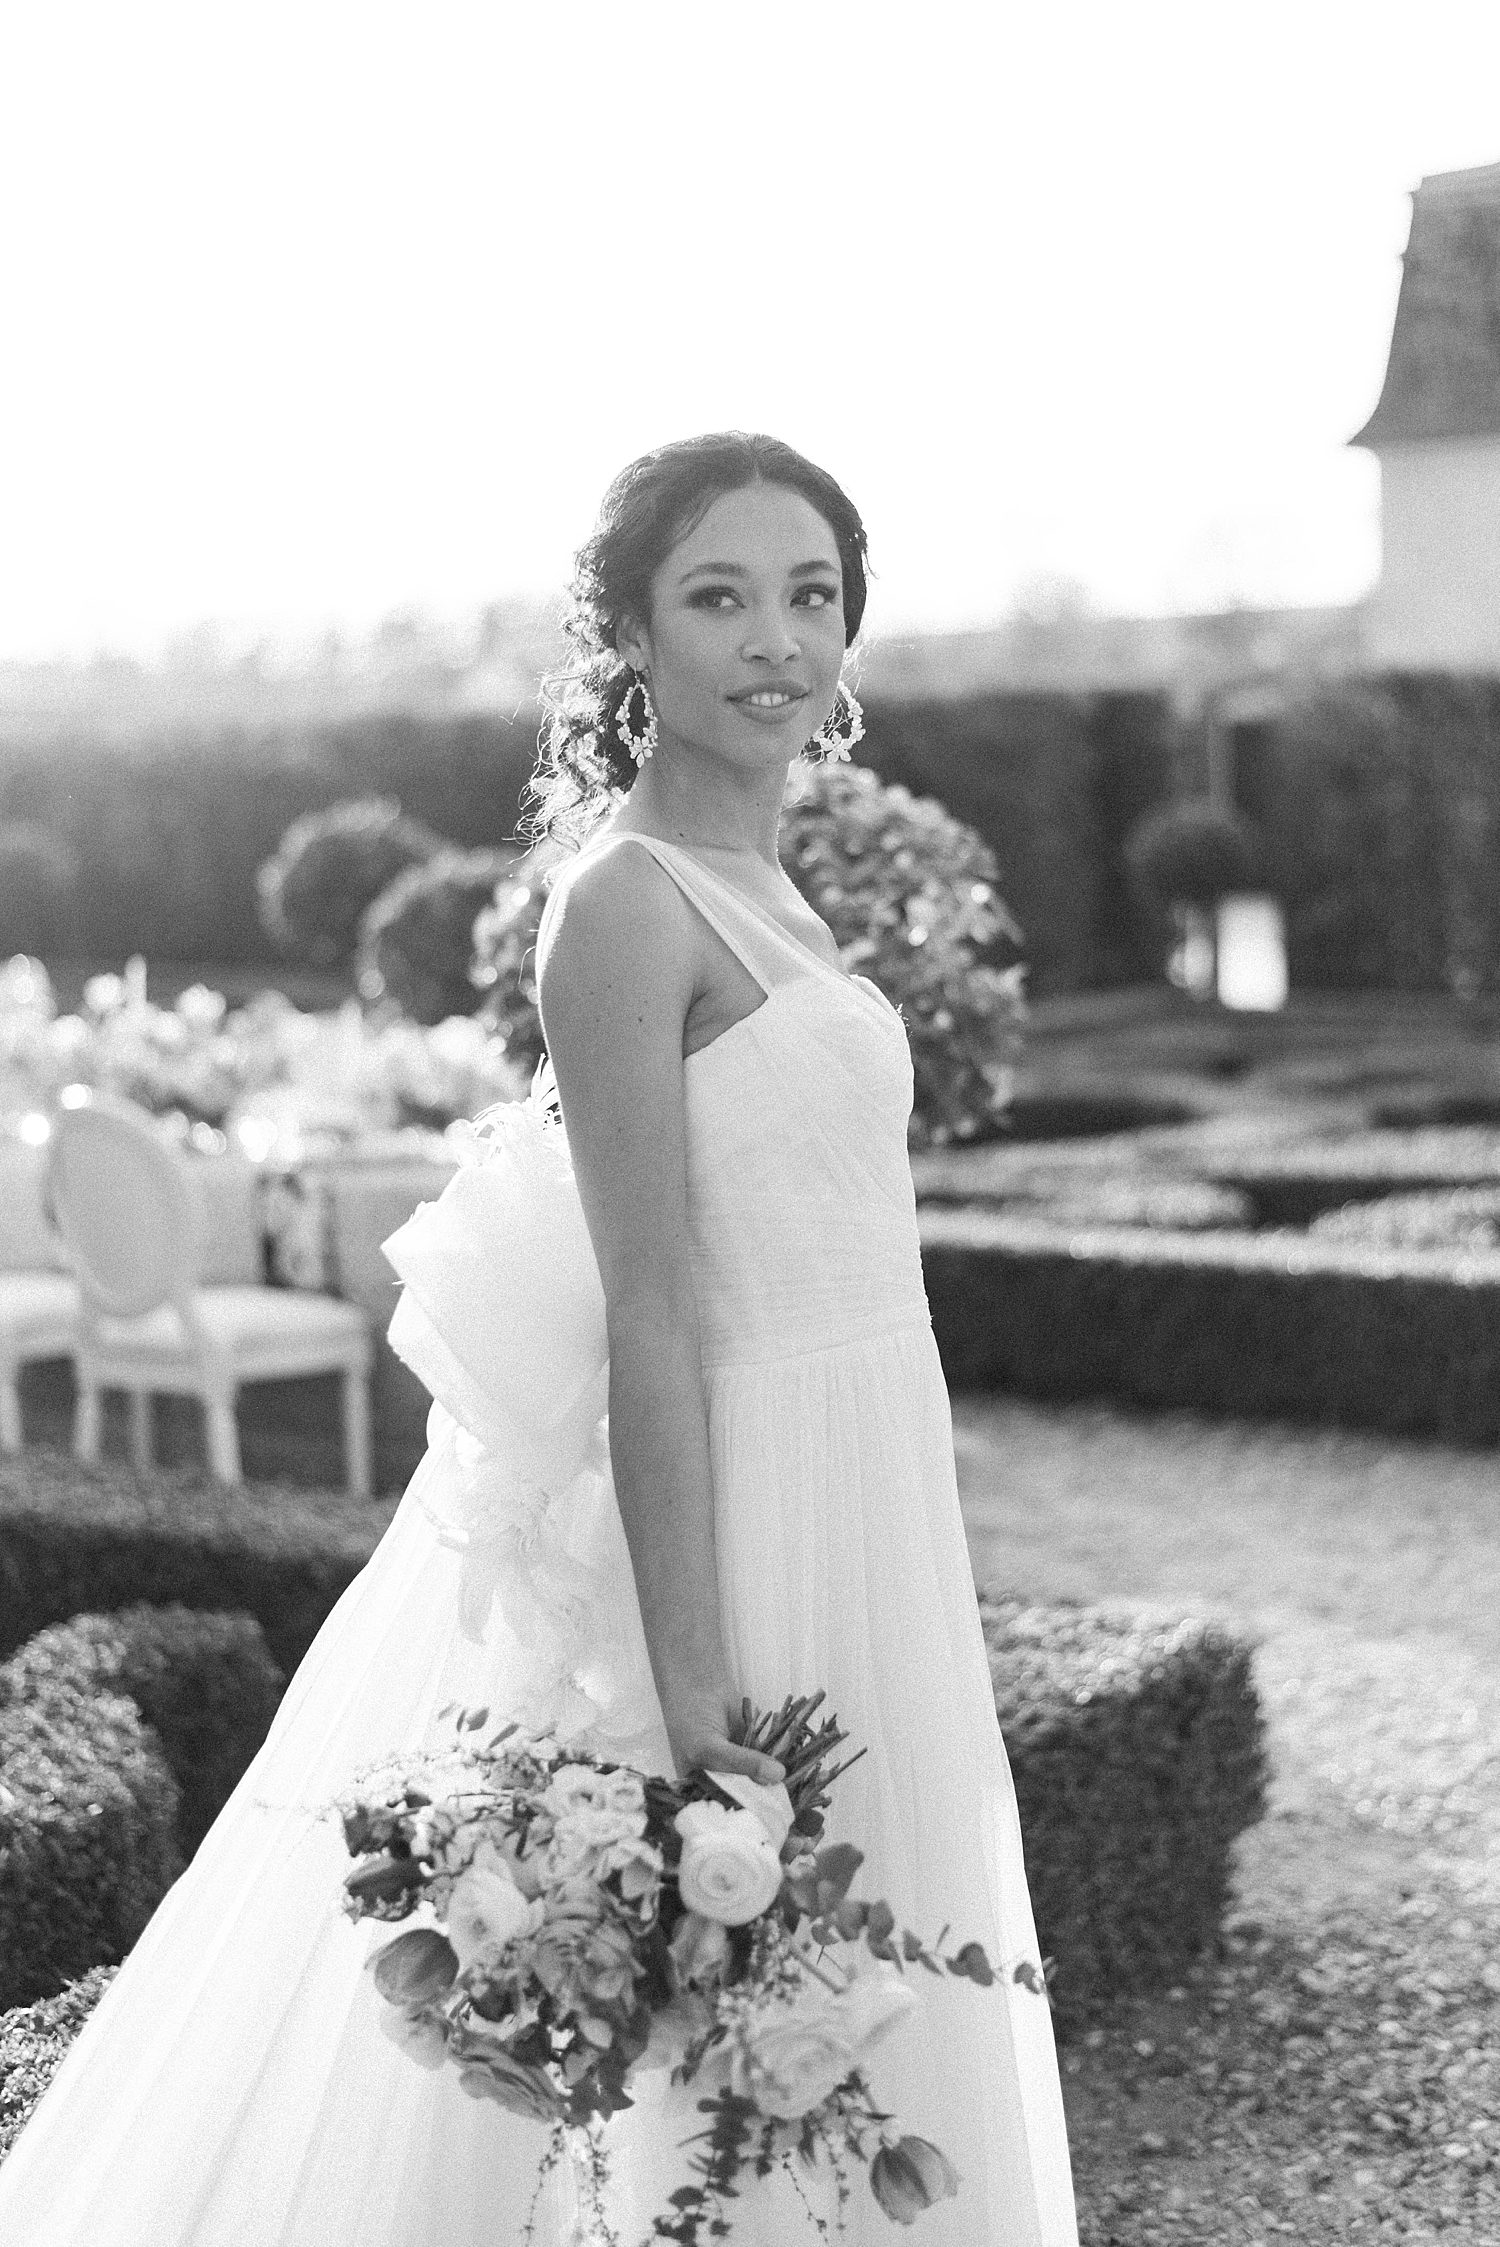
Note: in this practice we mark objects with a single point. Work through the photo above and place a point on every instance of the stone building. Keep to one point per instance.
(1436, 434)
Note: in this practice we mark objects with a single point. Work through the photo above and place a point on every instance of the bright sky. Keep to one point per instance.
(320, 309)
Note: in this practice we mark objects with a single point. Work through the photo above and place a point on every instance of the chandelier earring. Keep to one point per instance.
(843, 726)
(635, 721)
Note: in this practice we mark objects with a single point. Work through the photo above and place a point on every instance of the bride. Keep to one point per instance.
(774, 1479)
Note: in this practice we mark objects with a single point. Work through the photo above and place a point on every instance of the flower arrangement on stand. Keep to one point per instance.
(582, 1921)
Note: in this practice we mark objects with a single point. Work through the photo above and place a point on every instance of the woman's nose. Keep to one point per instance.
(770, 636)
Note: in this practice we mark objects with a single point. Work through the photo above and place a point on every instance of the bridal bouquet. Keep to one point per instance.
(581, 1921)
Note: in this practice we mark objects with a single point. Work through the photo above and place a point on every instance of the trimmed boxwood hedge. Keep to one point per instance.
(88, 1835)
(206, 1685)
(1467, 1219)
(86, 1540)
(1138, 1755)
(1089, 1111)
(1258, 1326)
(34, 2040)
(1293, 1184)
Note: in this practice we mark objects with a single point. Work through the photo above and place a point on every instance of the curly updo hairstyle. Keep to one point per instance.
(583, 765)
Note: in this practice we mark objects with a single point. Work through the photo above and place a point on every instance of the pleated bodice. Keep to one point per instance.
(800, 1211)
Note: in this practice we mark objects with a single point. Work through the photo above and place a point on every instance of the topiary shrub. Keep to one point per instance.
(416, 940)
(85, 1540)
(1249, 1325)
(34, 2041)
(329, 868)
(88, 1835)
(911, 896)
(205, 1683)
(1190, 854)
(1138, 1753)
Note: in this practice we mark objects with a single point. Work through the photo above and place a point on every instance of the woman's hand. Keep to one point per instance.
(701, 1726)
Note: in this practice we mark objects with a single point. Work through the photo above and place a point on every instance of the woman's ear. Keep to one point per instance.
(633, 645)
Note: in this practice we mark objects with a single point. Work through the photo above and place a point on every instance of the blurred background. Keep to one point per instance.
(1160, 349)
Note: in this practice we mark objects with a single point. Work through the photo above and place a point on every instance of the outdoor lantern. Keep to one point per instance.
(1252, 954)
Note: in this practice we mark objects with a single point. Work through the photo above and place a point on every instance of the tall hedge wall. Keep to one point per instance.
(164, 834)
(1381, 801)
(167, 831)
(1053, 782)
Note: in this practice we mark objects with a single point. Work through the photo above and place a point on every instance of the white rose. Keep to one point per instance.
(790, 2058)
(729, 1870)
(487, 1910)
(772, 1805)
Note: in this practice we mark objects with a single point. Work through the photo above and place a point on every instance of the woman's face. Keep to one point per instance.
(746, 635)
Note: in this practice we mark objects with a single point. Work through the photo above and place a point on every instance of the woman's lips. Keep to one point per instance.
(774, 706)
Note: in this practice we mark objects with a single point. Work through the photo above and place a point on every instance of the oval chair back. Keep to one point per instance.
(127, 1214)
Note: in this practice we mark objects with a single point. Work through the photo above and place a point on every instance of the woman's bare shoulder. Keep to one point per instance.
(616, 918)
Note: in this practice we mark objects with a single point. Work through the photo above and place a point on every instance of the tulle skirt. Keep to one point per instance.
(234, 2088)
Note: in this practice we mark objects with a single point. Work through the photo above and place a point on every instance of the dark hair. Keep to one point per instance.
(649, 507)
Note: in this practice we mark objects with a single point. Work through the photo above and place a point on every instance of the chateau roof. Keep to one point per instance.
(1443, 378)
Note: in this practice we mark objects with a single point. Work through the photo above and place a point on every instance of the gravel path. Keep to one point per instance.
(1336, 2074)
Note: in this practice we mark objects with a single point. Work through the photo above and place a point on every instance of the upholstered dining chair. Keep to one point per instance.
(39, 1315)
(132, 1228)
(38, 1294)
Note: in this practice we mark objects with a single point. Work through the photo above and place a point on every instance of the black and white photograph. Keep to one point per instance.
(749, 1124)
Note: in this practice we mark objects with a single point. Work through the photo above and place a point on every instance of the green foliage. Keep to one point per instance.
(1090, 1111)
(205, 1683)
(1079, 1198)
(416, 941)
(504, 966)
(34, 2041)
(1138, 1756)
(1384, 820)
(168, 830)
(1296, 1183)
(1253, 1326)
(1052, 782)
(1190, 854)
(329, 868)
(1467, 1219)
(910, 895)
(87, 1540)
(88, 1842)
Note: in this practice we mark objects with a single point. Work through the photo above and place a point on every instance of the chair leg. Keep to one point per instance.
(10, 1411)
(142, 1456)
(223, 1436)
(357, 1431)
(87, 1419)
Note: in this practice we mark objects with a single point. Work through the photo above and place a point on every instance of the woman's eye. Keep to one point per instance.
(713, 596)
(818, 596)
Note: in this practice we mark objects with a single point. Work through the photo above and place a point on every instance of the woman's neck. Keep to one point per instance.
(718, 811)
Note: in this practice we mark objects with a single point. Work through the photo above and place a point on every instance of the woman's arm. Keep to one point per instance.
(618, 975)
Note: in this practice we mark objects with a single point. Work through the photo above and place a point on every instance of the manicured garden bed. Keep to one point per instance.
(79, 1540)
(1257, 1325)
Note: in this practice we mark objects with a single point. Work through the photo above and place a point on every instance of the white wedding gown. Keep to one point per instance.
(234, 2088)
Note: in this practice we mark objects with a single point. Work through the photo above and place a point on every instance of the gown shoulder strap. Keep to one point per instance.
(765, 950)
